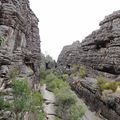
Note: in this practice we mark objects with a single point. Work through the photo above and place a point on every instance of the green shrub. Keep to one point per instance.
(36, 105)
(50, 77)
(43, 74)
(82, 72)
(57, 84)
(21, 97)
(4, 105)
(1, 101)
(65, 99)
(65, 77)
(1, 40)
(76, 112)
(37, 99)
(101, 80)
(107, 85)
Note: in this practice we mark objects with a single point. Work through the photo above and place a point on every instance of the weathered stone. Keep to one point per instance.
(100, 54)
(19, 45)
(100, 50)
(108, 106)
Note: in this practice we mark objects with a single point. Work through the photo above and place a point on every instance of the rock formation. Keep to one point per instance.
(100, 53)
(19, 43)
(99, 50)
(19, 38)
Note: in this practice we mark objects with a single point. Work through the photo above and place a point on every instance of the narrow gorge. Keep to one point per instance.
(84, 83)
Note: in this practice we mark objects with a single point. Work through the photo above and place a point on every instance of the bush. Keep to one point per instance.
(36, 106)
(57, 84)
(65, 99)
(76, 112)
(83, 72)
(106, 85)
(21, 96)
(1, 101)
(37, 99)
(1, 40)
(65, 77)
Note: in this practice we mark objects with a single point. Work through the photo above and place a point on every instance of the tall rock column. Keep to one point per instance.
(19, 43)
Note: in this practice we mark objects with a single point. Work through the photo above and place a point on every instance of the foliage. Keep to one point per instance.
(1, 40)
(43, 74)
(107, 85)
(101, 80)
(36, 105)
(82, 72)
(76, 112)
(21, 96)
(65, 77)
(37, 99)
(1, 101)
(24, 100)
(65, 98)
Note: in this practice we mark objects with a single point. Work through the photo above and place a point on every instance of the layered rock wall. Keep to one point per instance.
(99, 50)
(99, 53)
(19, 38)
(107, 104)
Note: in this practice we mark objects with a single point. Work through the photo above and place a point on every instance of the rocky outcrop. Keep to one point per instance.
(19, 39)
(99, 53)
(19, 44)
(106, 104)
(99, 50)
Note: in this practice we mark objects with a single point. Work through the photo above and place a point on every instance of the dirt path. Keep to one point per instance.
(49, 104)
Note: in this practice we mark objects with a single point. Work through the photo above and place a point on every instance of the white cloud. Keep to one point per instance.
(64, 21)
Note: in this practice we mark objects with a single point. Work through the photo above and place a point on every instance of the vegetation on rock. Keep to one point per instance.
(107, 85)
(66, 100)
(24, 100)
(82, 72)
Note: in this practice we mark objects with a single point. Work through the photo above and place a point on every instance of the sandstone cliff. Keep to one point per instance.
(99, 50)
(19, 44)
(100, 54)
(19, 38)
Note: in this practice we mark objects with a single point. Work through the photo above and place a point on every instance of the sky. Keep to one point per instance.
(64, 21)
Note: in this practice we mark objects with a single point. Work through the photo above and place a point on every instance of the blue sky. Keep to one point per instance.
(65, 21)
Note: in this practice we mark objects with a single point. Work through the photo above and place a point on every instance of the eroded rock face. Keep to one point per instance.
(19, 46)
(100, 54)
(106, 104)
(100, 50)
(19, 43)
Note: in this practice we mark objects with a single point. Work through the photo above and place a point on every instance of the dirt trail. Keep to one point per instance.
(49, 104)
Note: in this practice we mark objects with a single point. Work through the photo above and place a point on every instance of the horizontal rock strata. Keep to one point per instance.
(100, 50)
(19, 45)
